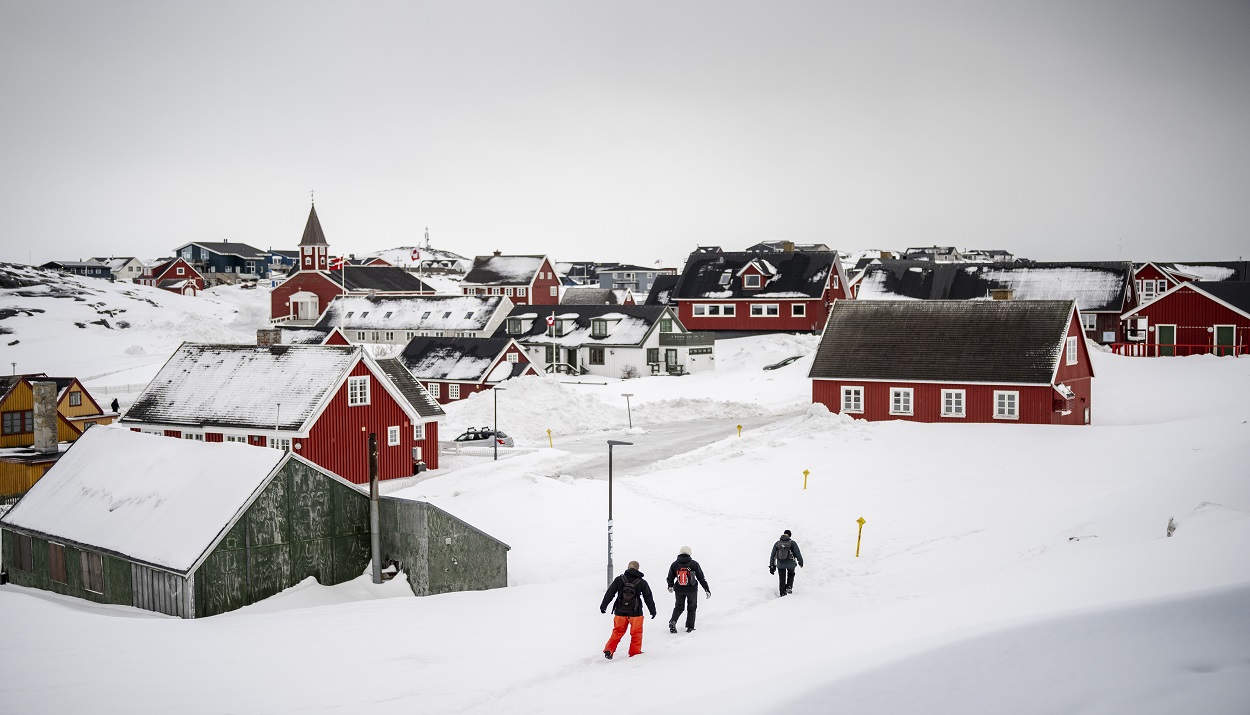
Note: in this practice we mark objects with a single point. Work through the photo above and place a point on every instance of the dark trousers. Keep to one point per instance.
(688, 602)
(785, 580)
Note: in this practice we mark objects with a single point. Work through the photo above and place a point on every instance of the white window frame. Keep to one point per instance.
(75, 398)
(508, 292)
(714, 310)
(520, 292)
(751, 280)
(1071, 350)
(1162, 287)
(854, 406)
(453, 391)
(512, 357)
(958, 405)
(436, 389)
(392, 436)
(798, 310)
(555, 291)
(180, 271)
(242, 439)
(418, 432)
(1013, 401)
(358, 391)
(197, 436)
(1089, 322)
(282, 443)
(765, 310)
(899, 396)
(598, 328)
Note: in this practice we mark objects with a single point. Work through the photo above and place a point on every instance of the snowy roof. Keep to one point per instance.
(797, 274)
(503, 270)
(1009, 341)
(1096, 287)
(420, 398)
(242, 385)
(628, 325)
(1219, 271)
(586, 295)
(418, 313)
(461, 359)
(662, 289)
(115, 490)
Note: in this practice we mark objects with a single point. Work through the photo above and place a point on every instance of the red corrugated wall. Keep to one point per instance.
(302, 281)
(1193, 313)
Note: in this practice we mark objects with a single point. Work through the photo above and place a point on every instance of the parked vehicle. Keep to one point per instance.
(482, 437)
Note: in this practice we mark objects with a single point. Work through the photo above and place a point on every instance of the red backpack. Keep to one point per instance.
(685, 576)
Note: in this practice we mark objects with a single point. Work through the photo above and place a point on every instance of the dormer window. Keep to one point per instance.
(388, 314)
(599, 328)
(425, 315)
(365, 314)
(724, 278)
(514, 326)
(468, 315)
(446, 315)
(750, 281)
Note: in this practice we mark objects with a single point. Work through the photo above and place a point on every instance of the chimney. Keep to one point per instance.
(496, 253)
(268, 336)
(1002, 294)
(45, 416)
(787, 246)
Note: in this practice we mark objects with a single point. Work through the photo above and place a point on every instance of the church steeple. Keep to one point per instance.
(314, 252)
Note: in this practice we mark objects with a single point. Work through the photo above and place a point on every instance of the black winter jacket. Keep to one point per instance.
(797, 556)
(615, 589)
(693, 586)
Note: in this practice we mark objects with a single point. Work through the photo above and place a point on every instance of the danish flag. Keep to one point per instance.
(336, 262)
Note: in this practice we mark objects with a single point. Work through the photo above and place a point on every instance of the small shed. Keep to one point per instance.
(194, 529)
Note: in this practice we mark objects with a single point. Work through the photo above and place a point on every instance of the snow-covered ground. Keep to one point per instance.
(1003, 568)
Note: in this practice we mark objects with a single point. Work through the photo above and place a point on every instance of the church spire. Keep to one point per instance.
(314, 252)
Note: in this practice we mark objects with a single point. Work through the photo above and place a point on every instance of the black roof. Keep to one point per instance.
(585, 313)
(662, 289)
(313, 235)
(417, 396)
(225, 248)
(1234, 293)
(1012, 341)
(503, 270)
(803, 273)
(586, 295)
(421, 352)
(384, 279)
(1240, 270)
(1095, 286)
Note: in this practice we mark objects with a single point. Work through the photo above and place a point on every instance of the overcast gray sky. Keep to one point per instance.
(627, 131)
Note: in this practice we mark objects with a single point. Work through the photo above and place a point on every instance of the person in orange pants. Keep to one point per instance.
(630, 590)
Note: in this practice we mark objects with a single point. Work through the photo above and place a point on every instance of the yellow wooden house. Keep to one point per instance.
(20, 464)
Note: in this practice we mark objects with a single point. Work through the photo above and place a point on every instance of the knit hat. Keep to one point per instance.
(685, 550)
(787, 532)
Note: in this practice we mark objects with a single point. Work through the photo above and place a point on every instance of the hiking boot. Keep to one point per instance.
(672, 626)
(607, 654)
(789, 590)
(689, 628)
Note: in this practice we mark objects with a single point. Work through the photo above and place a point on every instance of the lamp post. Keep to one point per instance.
(629, 413)
(611, 443)
(495, 437)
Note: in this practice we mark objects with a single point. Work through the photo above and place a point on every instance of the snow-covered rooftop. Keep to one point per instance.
(434, 312)
(503, 270)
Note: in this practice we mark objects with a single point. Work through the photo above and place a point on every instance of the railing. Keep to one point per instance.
(1175, 349)
(674, 340)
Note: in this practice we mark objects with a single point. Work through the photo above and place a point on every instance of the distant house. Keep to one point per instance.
(282, 262)
(321, 401)
(174, 275)
(453, 368)
(191, 529)
(609, 340)
(579, 273)
(124, 268)
(934, 254)
(584, 295)
(396, 321)
(525, 280)
(786, 247)
(637, 279)
(1154, 279)
(368, 261)
(23, 460)
(954, 361)
(225, 258)
(1195, 318)
(773, 292)
(1102, 291)
(90, 269)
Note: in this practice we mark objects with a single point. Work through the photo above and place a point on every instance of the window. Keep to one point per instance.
(197, 436)
(360, 335)
(596, 356)
(764, 310)
(446, 315)
(711, 309)
(392, 436)
(364, 314)
(751, 281)
(418, 432)
(798, 310)
(56, 563)
(495, 291)
(1148, 291)
(468, 315)
(598, 328)
(1163, 286)
(436, 390)
(453, 391)
(350, 313)
(508, 292)
(425, 315)
(653, 355)
(180, 271)
(514, 326)
(388, 314)
(554, 291)
(520, 292)
(900, 400)
(1089, 322)
(1006, 405)
(952, 403)
(853, 399)
(87, 425)
(235, 438)
(92, 571)
(390, 337)
(25, 552)
(666, 325)
(513, 357)
(75, 399)
(1071, 350)
(834, 284)
(357, 391)
(19, 422)
(699, 351)
(281, 443)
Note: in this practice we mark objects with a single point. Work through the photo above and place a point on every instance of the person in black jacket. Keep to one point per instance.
(630, 590)
(684, 577)
(784, 556)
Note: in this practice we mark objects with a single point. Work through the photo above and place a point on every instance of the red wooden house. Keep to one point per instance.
(1154, 279)
(525, 280)
(322, 402)
(773, 292)
(174, 275)
(451, 369)
(955, 361)
(1191, 319)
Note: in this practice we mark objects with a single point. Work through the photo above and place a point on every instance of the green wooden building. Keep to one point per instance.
(193, 529)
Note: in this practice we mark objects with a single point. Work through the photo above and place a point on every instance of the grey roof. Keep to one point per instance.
(383, 279)
(313, 235)
(1013, 341)
(797, 274)
(503, 270)
(417, 396)
(1236, 294)
(1210, 271)
(662, 289)
(465, 359)
(585, 295)
(1096, 287)
(226, 248)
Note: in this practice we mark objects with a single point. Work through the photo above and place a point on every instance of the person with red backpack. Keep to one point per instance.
(684, 577)
(630, 590)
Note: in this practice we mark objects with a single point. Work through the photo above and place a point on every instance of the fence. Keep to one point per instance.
(1175, 349)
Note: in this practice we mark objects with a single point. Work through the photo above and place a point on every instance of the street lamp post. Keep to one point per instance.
(628, 412)
(611, 443)
(495, 437)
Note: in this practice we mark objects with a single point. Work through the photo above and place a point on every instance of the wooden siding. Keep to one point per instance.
(309, 281)
(1195, 317)
(813, 320)
(1036, 401)
(116, 571)
(160, 591)
(17, 478)
(21, 398)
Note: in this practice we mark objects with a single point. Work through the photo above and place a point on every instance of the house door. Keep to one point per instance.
(1165, 337)
(570, 357)
(1225, 340)
(670, 358)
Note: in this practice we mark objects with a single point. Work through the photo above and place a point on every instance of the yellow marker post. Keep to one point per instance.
(805, 473)
(739, 431)
(861, 522)
(549, 442)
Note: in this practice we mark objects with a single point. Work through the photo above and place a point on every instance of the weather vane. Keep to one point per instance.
(312, 196)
